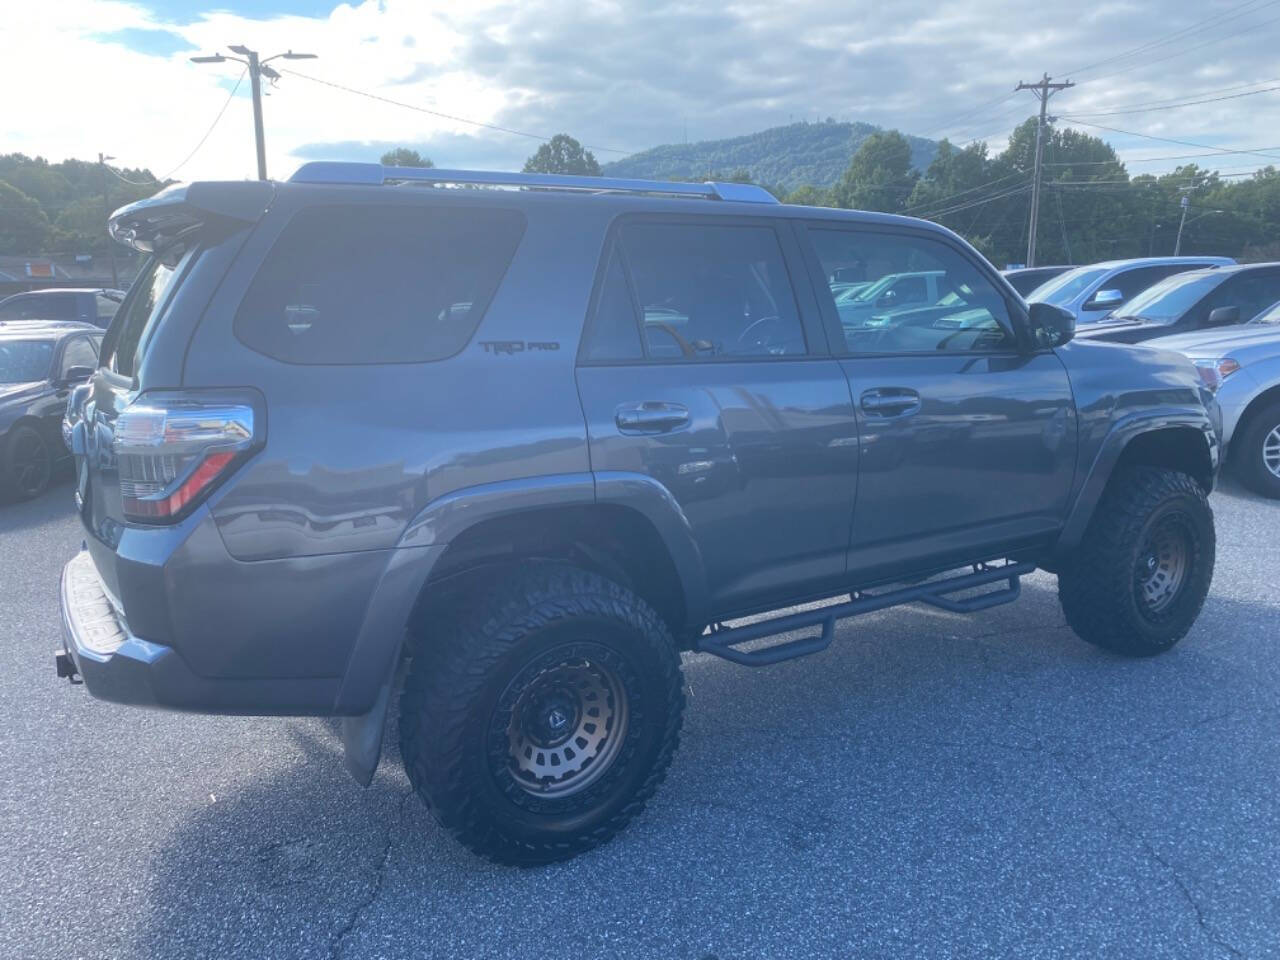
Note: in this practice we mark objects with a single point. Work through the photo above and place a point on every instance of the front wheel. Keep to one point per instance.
(1138, 579)
(1255, 452)
(538, 720)
(27, 463)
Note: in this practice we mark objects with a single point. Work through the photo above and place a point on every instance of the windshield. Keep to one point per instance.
(22, 361)
(1171, 297)
(1271, 315)
(1065, 287)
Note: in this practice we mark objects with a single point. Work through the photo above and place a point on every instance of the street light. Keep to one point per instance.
(257, 69)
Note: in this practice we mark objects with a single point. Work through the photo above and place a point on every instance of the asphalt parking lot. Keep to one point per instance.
(932, 785)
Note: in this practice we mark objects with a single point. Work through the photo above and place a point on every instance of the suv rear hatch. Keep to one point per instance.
(146, 450)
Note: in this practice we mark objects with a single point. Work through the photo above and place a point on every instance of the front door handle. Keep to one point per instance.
(890, 402)
(652, 416)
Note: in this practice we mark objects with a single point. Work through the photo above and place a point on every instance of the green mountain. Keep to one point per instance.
(789, 156)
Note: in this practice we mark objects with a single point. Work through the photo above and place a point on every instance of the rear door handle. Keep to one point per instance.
(652, 416)
(890, 402)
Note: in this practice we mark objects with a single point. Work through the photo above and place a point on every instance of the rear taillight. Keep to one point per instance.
(172, 450)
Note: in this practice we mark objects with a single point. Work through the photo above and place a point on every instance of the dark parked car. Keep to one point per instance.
(39, 364)
(96, 305)
(1026, 279)
(540, 440)
(1218, 296)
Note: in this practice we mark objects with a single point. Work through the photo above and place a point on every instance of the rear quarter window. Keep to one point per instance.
(377, 284)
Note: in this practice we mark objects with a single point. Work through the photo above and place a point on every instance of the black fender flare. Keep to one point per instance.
(364, 695)
(1121, 433)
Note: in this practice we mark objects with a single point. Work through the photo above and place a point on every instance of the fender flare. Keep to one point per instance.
(1121, 433)
(364, 695)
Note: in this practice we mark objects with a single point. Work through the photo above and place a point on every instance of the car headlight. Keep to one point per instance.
(1214, 370)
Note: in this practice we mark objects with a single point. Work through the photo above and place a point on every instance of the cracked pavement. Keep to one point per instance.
(932, 785)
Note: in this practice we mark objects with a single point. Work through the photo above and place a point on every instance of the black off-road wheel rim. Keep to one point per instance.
(563, 721)
(29, 464)
(1164, 566)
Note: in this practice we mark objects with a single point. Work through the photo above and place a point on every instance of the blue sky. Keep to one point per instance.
(623, 75)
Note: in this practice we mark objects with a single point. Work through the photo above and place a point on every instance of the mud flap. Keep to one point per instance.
(362, 737)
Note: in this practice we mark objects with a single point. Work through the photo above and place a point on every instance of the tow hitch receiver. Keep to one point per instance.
(722, 641)
(66, 666)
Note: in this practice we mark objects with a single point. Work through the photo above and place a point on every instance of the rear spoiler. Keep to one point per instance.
(152, 224)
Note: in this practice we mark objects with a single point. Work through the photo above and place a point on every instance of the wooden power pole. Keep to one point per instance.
(1043, 91)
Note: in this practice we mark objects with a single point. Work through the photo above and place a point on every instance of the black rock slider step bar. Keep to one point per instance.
(722, 641)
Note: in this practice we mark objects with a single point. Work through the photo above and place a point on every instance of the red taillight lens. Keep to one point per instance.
(171, 451)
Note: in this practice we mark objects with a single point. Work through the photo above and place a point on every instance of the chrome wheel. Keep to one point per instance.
(567, 725)
(1271, 451)
(1163, 562)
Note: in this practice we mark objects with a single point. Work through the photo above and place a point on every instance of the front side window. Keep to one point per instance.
(1250, 292)
(921, 295)
(700, 291)
(80, 352)
(25, 361)
(377, 284)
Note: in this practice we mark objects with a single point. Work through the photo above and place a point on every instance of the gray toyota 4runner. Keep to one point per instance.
(531, 437)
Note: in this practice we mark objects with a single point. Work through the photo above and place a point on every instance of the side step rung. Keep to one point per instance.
(723, 642)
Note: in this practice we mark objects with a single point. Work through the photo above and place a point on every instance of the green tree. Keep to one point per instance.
(809, 196)
(24, 227)
(404, 157)
(563, 154)
(879, 177)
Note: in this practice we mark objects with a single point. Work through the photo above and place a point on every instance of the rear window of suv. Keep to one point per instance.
(377, 284)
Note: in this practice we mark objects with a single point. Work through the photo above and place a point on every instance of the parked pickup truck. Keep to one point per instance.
(539, 437)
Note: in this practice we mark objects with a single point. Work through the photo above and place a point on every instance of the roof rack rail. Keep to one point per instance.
(376, 174)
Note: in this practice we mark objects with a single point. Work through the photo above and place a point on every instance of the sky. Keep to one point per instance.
(83, 76)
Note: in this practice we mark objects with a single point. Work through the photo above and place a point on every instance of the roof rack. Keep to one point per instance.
(376, 174)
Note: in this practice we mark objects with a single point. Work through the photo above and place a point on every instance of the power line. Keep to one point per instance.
(437, 113)
(1183, 96)
(1191, 49)
(961, 193)
(1179, 156)
(1236, 11)
(1170, 106)
(1184, 143)
(196, 148)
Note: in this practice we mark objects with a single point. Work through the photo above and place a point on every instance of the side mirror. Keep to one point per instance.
(1051, 326)
(75, 375)
(1222, 316)
(1105, 300)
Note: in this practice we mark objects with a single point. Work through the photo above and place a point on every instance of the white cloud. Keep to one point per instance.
(625, 74)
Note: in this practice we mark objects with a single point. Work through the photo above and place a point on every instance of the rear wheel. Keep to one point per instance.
(1136, 583)
(27, 463)
(1255, 452)
(538, 720)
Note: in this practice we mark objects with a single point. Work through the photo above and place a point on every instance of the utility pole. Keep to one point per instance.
(257, 70)
(1043, 91)
(1177, 246)
(106, 203)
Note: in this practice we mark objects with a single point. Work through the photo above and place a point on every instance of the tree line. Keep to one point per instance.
(1091, 207)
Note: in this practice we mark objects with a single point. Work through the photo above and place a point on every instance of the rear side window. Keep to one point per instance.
(696, 291)
(365, 284)
(122, 350)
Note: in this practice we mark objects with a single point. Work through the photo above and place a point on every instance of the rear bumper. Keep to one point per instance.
(118, 666)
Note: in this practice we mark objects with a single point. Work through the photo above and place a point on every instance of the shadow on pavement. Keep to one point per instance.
(931, 784)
